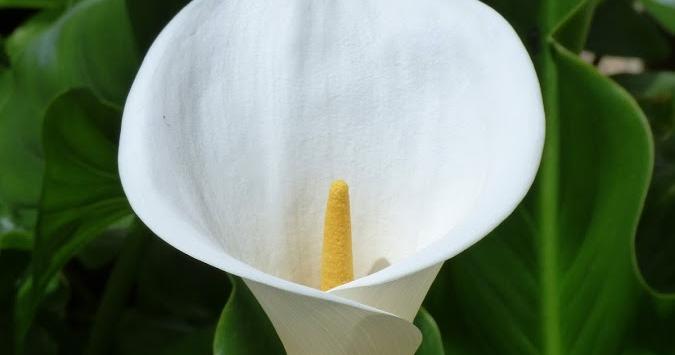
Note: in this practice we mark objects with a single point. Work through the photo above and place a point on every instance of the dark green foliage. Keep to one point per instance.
(655, 245)
(620, 30)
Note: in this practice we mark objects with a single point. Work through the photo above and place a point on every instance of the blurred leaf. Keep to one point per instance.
(663, 11)
(104, 249)
(13, 263)
(5, 85)
(558, 277)
(6, 223)
(619, 30)
(36, 4)
(31, 28)
(4, 60)
(655, 92)
(49, 335)
(176, 305)
(243, 327)
(91, 45)
(16, 240)
(177, 285)
(572, 33)
(82, 195)
(431, 336)
(537, 21)
(148, 18)
(195, 343)
(140, 333)
(117, 291)
(15, 247)
(5, 80)
(655, 243)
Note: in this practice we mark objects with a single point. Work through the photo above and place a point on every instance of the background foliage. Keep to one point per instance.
(580, 268)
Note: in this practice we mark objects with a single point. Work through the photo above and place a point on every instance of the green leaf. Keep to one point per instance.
(178, 286)
(573, 31)
(663, 11)
(558, 277)
(536, 22)
(31, 28)
(16, 240)
(655, 245)
(243, 327)
(177, 302)
(90, 45)
(619, 30)
(431, 336)
(82, 195)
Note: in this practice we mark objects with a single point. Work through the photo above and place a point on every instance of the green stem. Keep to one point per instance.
(548, 198)
(548, 193)
(117, 291)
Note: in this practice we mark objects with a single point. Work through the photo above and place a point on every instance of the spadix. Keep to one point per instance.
(336, 258)
(244, 111)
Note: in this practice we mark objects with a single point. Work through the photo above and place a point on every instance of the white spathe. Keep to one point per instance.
(244, 111)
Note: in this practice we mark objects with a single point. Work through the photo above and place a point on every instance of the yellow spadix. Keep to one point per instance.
(336, 258)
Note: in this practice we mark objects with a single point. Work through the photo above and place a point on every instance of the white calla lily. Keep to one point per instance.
(243, 112)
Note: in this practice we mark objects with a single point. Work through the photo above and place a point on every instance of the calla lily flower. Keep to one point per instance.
(244, 112)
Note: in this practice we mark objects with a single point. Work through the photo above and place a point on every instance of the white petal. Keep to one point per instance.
(400, 296)
(314, 325)
(243, 112)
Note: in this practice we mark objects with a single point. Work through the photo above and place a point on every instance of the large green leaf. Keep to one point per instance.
(559, 277)
(90, 44)
(82, 194)
(243, 327)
